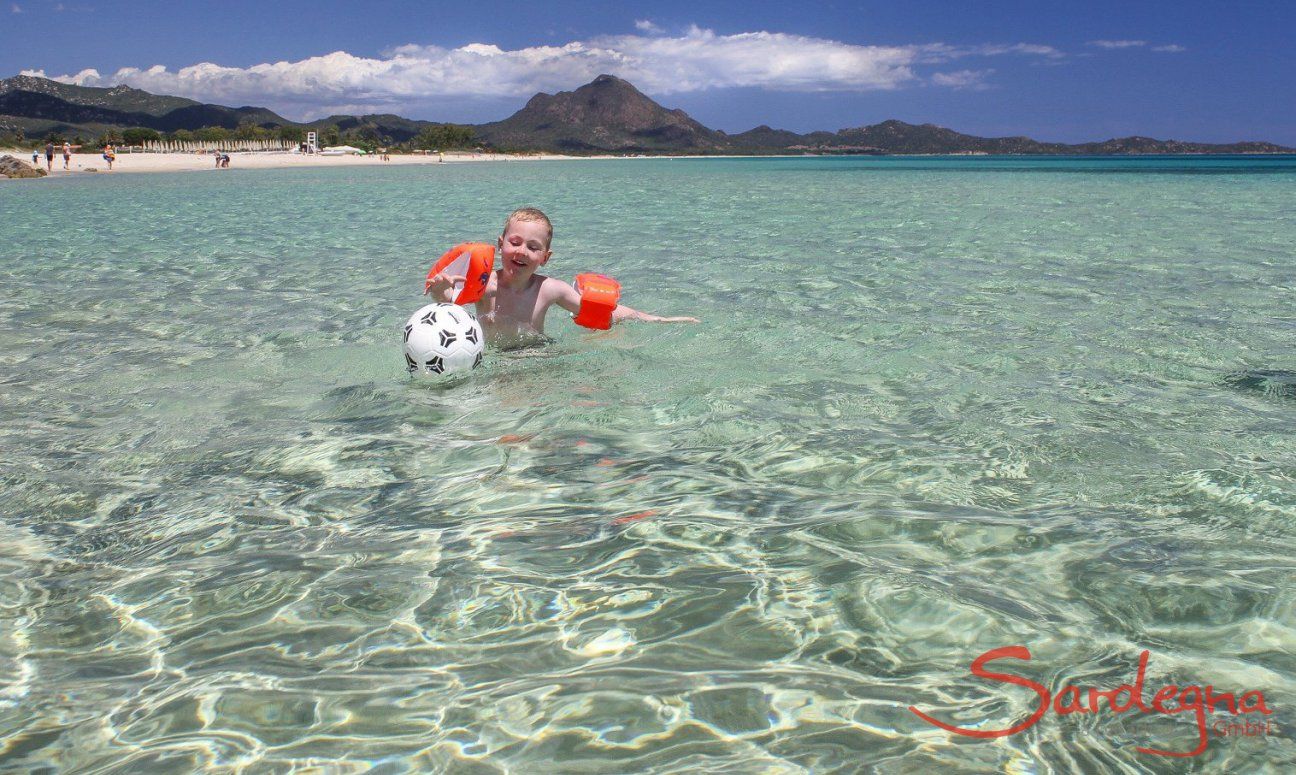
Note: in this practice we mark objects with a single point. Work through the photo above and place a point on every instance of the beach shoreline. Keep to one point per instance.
(131, 163)
(152, 162)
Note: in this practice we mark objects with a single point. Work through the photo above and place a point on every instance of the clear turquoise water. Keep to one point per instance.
(937, 406)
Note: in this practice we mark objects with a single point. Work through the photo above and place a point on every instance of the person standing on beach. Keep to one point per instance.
(49, 156)
(109, 156)
(35, 157)
(67, 155)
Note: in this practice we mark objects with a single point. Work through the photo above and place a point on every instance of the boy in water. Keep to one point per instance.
(512, 310)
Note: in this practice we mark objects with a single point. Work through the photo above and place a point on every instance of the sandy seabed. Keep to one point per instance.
(186, 162)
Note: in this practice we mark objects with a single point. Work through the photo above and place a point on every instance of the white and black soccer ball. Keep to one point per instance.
(442, 339)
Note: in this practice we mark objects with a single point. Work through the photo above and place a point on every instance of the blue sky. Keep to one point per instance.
(1194, 70)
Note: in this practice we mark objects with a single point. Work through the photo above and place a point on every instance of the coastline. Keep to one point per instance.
(143, 163)
(134, 163)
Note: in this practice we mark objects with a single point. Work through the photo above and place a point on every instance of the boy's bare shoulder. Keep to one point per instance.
(550, 286)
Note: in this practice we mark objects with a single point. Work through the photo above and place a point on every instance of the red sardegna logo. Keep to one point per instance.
(1169, 701)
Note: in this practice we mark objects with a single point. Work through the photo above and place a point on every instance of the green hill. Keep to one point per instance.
(118, 98)
(605, 115)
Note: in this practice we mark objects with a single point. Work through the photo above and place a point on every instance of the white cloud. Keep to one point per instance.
(696, 60)
(15, 8)
(1115, 44)
(962, 79)
(645, 25)
(939, 52)
(942, 53)
(1172, 48)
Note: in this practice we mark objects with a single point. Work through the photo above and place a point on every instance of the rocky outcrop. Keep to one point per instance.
(16, 168)
(605, 115)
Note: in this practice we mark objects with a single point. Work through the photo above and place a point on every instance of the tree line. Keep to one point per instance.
(366, 137)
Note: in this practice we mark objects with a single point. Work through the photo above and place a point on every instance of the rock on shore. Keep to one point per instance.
(16, 168)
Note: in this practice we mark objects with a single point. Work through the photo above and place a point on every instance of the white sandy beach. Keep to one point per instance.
(184, 162)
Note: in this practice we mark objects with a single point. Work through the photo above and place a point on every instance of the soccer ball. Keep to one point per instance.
(442, 339)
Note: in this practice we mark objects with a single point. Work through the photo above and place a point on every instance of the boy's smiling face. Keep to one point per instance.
(524, 248)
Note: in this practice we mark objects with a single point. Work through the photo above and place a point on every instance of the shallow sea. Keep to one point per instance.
(936, 407)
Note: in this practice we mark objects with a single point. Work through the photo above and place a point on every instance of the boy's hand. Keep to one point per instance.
(442, 284)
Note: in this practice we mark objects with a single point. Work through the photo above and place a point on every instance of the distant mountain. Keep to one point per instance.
(1141, 145)
(897, 137)
(605, 115)
(765, 137)
(35, 105)
(389, 125)
(118, 98)
(38, 105)
(44, 105)
(197, 116)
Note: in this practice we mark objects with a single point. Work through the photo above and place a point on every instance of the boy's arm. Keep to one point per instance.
(569, 299)
(564, 296)
(622, 312)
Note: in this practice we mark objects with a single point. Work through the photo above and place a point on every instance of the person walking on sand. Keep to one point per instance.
(49, 156)
(67, 155)
(35, 157)
(109, 156)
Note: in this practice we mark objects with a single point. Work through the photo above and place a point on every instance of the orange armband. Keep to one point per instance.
(474, 261)
(599, 296)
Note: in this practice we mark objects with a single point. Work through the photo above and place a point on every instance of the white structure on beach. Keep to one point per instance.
(199, 146)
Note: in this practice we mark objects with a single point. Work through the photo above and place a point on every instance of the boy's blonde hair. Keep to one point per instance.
(531, 214)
